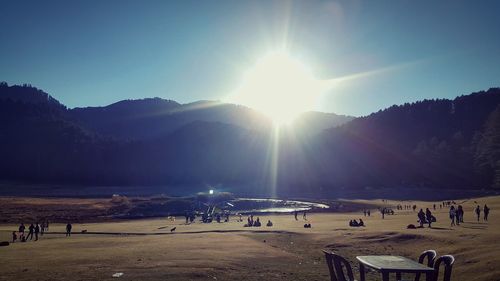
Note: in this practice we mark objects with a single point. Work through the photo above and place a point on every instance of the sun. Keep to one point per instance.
(280, 87)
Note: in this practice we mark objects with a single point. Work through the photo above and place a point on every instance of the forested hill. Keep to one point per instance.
(430, 143)
(445, 143)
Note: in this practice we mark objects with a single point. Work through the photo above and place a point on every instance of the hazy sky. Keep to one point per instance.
(98, 52)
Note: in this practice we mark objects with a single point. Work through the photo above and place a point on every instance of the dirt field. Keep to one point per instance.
(148, 250)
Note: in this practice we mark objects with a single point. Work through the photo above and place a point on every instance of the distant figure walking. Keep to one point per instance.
(295, 213)
(364, 212)
(368, 212)
(304, 216)
(14, 236)
(486, 211)
(68, 229)
(428, 216)
(452, 215)
(31, 230)
(478, 212)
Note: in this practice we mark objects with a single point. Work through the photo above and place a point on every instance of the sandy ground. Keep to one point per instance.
(147, 250)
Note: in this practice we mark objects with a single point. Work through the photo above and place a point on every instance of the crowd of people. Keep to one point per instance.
(34, 231)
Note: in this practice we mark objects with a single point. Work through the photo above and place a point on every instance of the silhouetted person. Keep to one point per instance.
(68, 229)
(452, 215)
(414, 207)
(428, 216)
(304, 216)
(295, 213)
(486, 211)
(434, 207)
(21, 230)
(257, 222)
(478, 212)
(31, 230)
(368, 212)
(383, 212)
(42, 228)
(460, 214)
(14, 236)
(361, 222)
(269, 223)
(37, 231)
(421, 217)
(364, 212)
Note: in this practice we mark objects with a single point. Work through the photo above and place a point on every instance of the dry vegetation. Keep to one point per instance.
(146, 250)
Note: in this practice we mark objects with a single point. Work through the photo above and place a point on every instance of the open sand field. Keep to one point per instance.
(146, 249)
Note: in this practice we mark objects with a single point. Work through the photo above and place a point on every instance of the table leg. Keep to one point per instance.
(361, 272)
(385, 276)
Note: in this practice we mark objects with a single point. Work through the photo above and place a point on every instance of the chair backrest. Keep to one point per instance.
(329, 263)
(448, 261)
(431, 257)
(336, 265)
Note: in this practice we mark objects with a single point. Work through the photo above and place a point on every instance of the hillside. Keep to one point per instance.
(445, 144)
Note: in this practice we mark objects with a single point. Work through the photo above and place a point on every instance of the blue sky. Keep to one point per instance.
(98, 52)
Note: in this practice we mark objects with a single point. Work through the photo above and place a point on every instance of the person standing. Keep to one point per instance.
(368, 212)
(478, 212)
(295, 213)
(14, 236)
(421, 217)
(428, 216)
(452, 215)
(486, 211)
(68, 229)
(37, 231)
(21, 231)
(304, 216)
(31, 231)
(461, 210)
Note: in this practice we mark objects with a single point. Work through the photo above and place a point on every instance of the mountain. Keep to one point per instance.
(427, 145)
(153, 118)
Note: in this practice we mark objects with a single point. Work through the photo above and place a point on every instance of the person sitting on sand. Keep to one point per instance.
(14, 236)
(269, 223)
(257, 222)
(361, 222)
(350, 223)
(355, 223)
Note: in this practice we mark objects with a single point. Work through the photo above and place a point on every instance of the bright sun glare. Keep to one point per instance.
(280, 87)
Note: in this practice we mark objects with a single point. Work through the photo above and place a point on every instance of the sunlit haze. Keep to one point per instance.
(280, 87)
